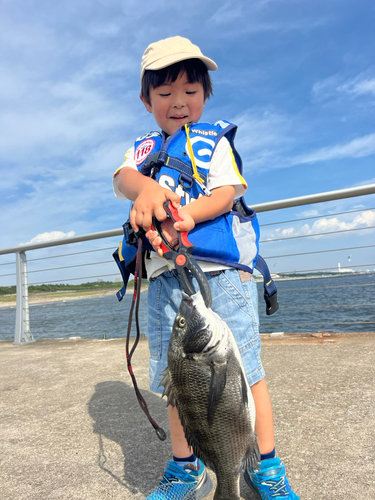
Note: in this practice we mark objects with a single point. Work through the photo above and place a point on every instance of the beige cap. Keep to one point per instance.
(163, 53)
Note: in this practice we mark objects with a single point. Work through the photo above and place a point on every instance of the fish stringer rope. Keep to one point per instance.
(135, 302)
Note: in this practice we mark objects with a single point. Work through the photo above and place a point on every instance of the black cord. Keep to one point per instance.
(135, 302)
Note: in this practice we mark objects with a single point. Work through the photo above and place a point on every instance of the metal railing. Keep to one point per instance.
(23, 332)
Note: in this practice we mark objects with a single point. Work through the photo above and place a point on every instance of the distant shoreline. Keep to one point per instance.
(48, 297)
(55, 297)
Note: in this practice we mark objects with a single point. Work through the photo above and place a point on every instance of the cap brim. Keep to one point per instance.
(174, 58)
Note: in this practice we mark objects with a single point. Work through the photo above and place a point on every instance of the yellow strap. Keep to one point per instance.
(196, 175)
(120, 251)
(234, 163)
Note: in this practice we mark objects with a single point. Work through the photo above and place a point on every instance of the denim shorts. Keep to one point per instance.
(235, 302)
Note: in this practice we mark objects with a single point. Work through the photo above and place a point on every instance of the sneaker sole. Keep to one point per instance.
(251, 485)
(203, 490)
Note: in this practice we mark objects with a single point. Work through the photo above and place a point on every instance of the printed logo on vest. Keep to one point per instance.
(203, 132)
(143, 150)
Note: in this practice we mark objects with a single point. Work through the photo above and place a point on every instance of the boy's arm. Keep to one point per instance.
(148, 197)
(207, 207)
(204, 208)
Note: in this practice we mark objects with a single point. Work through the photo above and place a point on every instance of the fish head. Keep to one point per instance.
(197, 329)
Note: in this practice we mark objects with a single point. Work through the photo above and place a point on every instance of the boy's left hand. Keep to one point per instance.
(170, 232)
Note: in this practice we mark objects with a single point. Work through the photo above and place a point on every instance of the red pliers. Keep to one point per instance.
(185, 263)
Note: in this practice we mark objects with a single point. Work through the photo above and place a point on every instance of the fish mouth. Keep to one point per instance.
(187, 304)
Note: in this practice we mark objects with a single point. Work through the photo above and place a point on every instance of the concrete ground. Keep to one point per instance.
(71, 426)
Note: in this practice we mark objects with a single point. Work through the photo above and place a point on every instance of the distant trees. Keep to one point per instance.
(64, 287)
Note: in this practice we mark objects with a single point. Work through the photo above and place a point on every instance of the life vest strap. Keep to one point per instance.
(270, 290)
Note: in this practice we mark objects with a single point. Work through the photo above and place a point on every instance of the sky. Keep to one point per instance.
(297, 77)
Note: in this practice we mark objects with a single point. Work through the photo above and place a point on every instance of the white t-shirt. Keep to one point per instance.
(223, 171)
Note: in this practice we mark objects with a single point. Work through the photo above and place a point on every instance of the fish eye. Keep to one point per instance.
(181, 322)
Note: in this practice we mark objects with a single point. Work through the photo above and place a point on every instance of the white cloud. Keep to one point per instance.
(358, 207)
(59, 118)
(336, 86)
(226, 13)
(366, 182)
(51, 236)
(357, 148)
(364, 219)
(324, 225)
(260, 17)
(309, 213)
(260, 127)
(322, 89)
(358, 86)
(262, 138)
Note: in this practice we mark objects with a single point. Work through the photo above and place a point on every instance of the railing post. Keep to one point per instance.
(22, 333)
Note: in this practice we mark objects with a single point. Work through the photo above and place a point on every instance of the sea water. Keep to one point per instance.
(334, 304)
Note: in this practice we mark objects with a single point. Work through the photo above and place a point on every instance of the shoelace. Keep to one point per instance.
(278, 488)
(170, 477)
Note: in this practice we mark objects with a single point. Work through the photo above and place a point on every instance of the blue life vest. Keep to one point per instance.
(231, 239)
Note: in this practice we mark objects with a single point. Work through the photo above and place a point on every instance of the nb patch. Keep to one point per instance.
(143, 150)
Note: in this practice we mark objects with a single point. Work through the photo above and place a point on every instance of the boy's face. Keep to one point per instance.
(176, 103)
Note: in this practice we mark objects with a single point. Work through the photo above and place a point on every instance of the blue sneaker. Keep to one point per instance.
(269, 482)
(183, 483)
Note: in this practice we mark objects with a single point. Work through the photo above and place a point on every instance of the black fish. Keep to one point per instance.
(205, 379)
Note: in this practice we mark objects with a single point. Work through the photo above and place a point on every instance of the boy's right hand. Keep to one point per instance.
(149, 203)
(169, 233)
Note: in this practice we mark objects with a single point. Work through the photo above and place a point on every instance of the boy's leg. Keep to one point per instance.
(180, 447)
(269, 481)
(264, 417)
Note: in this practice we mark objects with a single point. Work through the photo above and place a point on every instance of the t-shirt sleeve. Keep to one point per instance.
(224, 171)
(129, 162)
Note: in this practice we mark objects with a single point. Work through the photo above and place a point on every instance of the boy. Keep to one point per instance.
(175, 86)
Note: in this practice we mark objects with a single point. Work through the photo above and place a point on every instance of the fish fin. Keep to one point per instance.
(218, 382)
(193, 442)
(166, 377)
(244, 387)
(167, 388)
(167, 391)
(252, 457)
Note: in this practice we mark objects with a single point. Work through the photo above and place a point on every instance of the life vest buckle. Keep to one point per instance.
(186, 181)
(152, 164)
(131, 236)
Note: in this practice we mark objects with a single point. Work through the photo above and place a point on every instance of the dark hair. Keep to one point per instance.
(195, 69)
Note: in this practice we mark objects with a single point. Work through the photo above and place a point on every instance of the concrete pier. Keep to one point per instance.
(71, 426)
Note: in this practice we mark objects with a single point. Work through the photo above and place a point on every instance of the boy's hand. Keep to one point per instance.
(149, 203)
(186, 224)
(170, 232)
